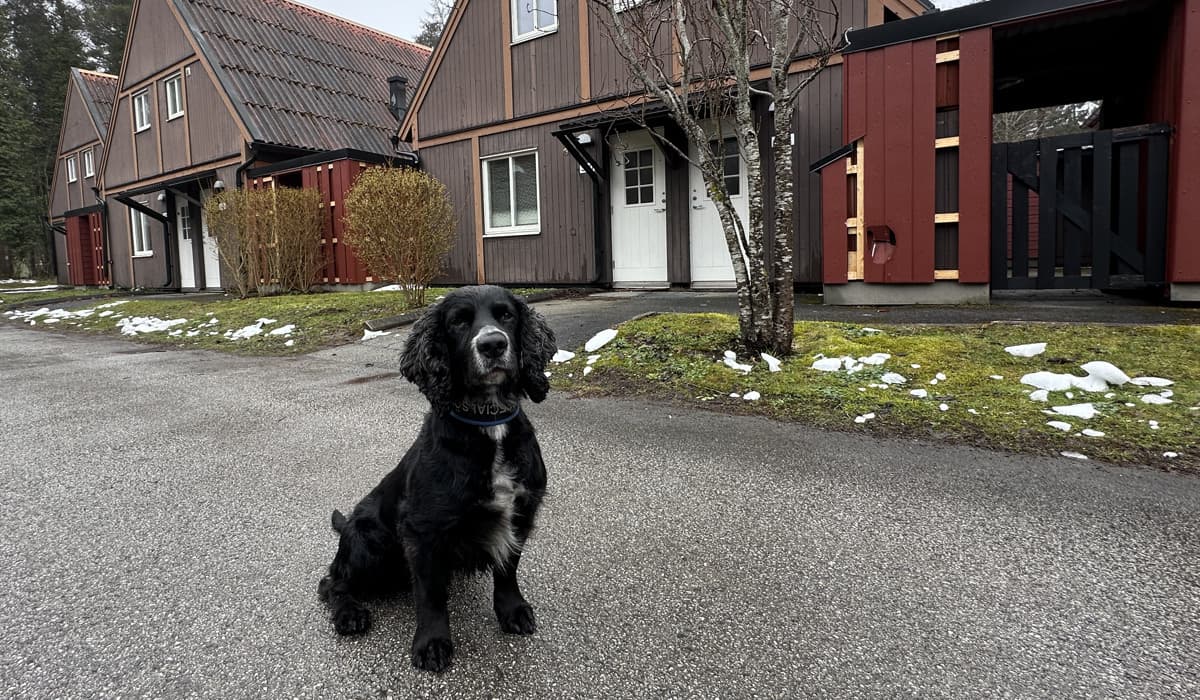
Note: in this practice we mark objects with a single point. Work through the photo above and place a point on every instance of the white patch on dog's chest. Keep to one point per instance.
(501, 542)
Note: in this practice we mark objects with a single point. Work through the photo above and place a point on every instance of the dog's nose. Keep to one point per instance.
(492, 345)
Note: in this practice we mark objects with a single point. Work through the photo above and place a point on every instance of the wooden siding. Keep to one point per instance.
(172, 134)
(160, 42)
(451, 164)
(818, 130)
(213, 132)
(77, 127)
(679, 221)
(470, 80)
(542, 78)
(118, 164)
(564, 251)
(975, 153)
(145, 146)
(1183, 256)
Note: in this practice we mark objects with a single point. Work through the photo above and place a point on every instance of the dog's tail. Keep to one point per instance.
(338, 521)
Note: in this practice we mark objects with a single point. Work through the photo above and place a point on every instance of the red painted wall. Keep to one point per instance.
(974, 155)
(1183, 255)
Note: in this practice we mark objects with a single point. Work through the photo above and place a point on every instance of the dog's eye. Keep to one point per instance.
(460, 318)
(504, 314)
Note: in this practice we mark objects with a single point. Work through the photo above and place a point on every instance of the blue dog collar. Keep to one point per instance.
(486, 423)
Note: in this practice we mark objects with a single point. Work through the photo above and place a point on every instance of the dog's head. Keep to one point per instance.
(479, 343)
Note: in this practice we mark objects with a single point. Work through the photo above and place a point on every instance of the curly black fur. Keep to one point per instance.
(464, 497)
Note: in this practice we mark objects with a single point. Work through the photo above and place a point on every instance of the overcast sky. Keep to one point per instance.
(403, 19)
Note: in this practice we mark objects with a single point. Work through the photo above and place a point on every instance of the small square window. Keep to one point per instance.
(139, 229)
(174, 89)
(72, 169)
(141, 111)
(89, 164)
(510, 188)
(531, 18)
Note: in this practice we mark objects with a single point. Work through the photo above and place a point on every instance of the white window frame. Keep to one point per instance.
(537, 29)
(175, 81)
(72, 169)
(139, 233)
(141, 117)
(490, 231)
(89, 163)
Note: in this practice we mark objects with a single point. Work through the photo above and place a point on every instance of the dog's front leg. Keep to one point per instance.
(515, 615)
(431, 647)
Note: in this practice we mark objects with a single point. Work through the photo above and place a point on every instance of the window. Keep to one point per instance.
(89, 165)
(731, 161)
(174, 87)
(72, 169)
(139, 228)
(510, 194)
(141, 111)
(185, 222)
(639, 177)
(532, 18)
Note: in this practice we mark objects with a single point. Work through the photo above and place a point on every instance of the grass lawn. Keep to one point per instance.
(227, 324)
(679, 358)
(25, 300)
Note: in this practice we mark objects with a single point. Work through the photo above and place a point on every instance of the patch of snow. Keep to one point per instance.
(894, 378)
(940, 376)
(1073, 455)
(1051, 381)
(864, 418)
(212, 321)
(592, 359)
(284, 330)
(827, 364)
(367, 335)
(876, 359)
(103, 314)
(751, 396)
(1086, 411)
(25, 290)
(587, 370)
(290, 343)
(915, 366)
(10, 280)
(176, 332)
(600, 340)
(972, 411)
(933, 381)
(1069, 395)
(1154, 425)
(1065, 427)
(732, 363)
(1170, 455)
(147, 324)
(1092, 433)
(1027, 350)
(773, 363)
(193, 334)
(1106, 371)
(871, 330)
(997, 376)
(1151, 381)
(919, 393)
(562, 356)
(1156, 399)
(943, 407)
(1040, 395)
(118, 302)
(735, 395)
(1109, 395)
(389, 288)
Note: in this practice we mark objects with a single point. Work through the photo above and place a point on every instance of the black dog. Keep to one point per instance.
(465, 495)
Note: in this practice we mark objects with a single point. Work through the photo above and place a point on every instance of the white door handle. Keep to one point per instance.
(698, 206)
(659, 211)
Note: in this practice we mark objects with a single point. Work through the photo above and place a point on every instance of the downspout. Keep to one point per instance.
(251, 155)
(168, 234)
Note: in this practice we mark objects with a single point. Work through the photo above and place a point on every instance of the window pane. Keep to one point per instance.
(631, 177)
(525, 17)
(646, 158)
(525, 174)
(498, 194)
(733, 185)
(631, 196)
(547, 13)
(647, 195)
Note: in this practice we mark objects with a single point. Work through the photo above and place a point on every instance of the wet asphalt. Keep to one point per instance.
(167, 522)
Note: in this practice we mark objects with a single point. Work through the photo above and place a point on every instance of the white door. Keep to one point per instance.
(712, 266)
(183, 238)
(212, 257)
(639, 211)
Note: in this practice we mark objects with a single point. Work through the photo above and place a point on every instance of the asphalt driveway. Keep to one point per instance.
(167, 521)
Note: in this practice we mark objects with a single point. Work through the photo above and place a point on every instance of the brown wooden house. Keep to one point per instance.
(76, 209)
(219, 94)
(516, 116)
(923, 205)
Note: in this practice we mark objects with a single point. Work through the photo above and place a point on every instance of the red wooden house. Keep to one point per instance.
(921, 206)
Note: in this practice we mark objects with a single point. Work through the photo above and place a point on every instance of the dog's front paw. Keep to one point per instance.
(518, 619)
(432, 654)
(351, 619)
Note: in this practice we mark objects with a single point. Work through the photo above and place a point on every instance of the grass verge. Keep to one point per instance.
(24, 300)
(679, 358)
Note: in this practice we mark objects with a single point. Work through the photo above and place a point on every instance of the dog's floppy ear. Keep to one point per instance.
(537, 347)
(425, 361)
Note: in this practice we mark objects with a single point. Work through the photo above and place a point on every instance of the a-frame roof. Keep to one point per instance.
(405, 131)
(300, 77)
(98, 91)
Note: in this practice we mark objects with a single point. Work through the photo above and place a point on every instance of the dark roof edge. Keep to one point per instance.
(833, 157)
(324, 157)
(956, 20)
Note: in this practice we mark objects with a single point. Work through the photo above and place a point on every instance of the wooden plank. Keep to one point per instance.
(1047, 219)
(947, 56)
(1127, 207)
(1101, 207)
(854, 100)
(1157, 168)
(924, 160)
(1073, 232)
(1020, 229)
(974, 200)
(946, 218)
(875, 145)
(948, 142)
(945, 274)
(999, 241)
(833, 215)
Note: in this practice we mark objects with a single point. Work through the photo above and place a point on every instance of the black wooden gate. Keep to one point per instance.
(1078, 211)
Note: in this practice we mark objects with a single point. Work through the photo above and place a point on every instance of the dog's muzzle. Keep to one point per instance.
(493, 352)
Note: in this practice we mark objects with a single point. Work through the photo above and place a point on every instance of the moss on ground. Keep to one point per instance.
(678, 357)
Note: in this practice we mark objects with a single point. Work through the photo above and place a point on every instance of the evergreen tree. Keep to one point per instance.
(434, 22)
(106, 22)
